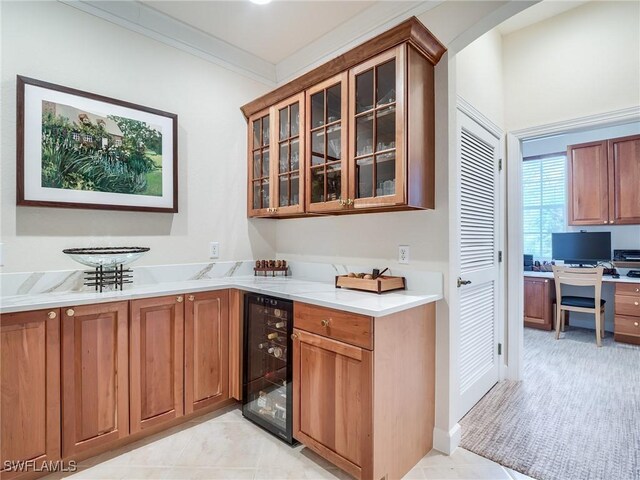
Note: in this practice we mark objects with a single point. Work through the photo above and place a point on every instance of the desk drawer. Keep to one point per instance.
(628, 305)
(631, 289)
(627, 329)
(344, 326)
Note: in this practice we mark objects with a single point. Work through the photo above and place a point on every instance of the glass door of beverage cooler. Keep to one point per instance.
(267, 388)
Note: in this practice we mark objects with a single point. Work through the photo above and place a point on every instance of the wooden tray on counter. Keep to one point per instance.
(378, 285)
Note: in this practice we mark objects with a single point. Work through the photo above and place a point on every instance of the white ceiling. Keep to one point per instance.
(537, 13)
(272, 32)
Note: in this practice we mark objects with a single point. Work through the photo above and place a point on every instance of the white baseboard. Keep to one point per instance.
(447, 441)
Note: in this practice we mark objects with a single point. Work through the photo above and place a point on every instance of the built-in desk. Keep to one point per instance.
(622, 310)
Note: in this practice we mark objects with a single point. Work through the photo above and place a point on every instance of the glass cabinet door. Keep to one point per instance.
(376, 168)
(326, 170)
(259, 163)
(289, 152)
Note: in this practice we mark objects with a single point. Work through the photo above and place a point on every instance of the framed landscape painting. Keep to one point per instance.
(80, 150)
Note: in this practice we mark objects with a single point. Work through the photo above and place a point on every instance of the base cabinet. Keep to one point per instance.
(156, 361)
(337, 383)
(30, 390)
(206, 350)
(539, 295)
(95, 376)
(626, 326)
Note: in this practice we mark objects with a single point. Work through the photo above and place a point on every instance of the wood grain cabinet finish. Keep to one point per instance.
(539, 295)
(337, 383)
(603, 179)
(626, 327)
(29, 388)
(369, 135)
(95, 376)
(206, 350)
(156, 341)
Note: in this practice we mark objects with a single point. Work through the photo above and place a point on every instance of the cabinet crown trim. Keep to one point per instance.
(410, 31)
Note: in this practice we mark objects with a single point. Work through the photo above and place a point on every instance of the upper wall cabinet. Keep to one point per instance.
(603, 182)
(354, 135)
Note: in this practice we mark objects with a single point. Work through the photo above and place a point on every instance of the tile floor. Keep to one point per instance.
(222, 445)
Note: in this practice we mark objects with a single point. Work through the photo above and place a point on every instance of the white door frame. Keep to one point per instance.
(515, 275)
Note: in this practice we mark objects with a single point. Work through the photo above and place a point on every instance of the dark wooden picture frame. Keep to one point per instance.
(87, 152)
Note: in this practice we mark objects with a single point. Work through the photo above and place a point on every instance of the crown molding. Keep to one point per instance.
(147, 21)
(371, 22)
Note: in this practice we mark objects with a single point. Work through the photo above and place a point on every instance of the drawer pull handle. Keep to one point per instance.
(179, 299)
(325, 323)
(52, 315)
(71, 312)
(635, 303)
(635, 324)
(191, 298)
(294, 336)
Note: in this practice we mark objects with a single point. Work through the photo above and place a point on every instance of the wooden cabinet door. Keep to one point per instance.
(377, 126)
(624, 180)
(588, 184)
(539, 294)
(333, 400)
(29, 388)
(156, 340)
(260, 198)
(95, 376)
(326, 153)
(288, 165)
(206, 350)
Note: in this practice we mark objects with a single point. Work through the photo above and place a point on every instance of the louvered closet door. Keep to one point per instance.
(477, 243)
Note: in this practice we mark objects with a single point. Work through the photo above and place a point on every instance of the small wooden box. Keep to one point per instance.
(377, 285)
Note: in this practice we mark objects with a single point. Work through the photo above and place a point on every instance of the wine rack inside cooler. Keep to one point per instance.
(267, 375)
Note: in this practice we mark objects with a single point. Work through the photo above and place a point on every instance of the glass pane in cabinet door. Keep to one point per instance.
(386, 82)
(364, 176)
(317, 109)
(386, 174)
(265, 162)
(317, 147)
(256, 133)
(334, 181)
(295, 119)
(265, 193)
(386, 128)
(295, 154)
(334, 104)
(334, 143)
(317, 184)
(257, 195)
(283, 164)
(284, 123)
(257, 168)
(265, 130)
(284, 191)
(294, 185)
(364, 91)
(364, 134)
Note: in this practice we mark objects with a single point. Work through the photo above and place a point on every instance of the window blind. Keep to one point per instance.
(544, 202)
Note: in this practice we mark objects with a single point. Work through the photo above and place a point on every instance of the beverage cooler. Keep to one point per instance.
(267, 375)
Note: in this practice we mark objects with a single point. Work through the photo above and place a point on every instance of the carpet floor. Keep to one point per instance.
(575, 415)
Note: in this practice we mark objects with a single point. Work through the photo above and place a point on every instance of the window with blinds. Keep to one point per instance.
(544, 202)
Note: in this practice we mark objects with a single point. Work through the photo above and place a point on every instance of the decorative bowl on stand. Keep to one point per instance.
(108, 263)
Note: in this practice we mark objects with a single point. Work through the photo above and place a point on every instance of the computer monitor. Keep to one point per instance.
(584, 248)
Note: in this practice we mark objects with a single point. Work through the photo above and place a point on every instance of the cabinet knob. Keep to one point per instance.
(294, 336)
(191, 298)
(325, 323)
(70, 312)
(342, 202)
(52, 315)
(179, 299)
(605, 222)
(637, 289)
(635, 324)
(635, 303)
(349, 202)
(610, 221)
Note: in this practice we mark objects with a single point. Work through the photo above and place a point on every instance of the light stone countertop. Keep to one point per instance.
(313, 292)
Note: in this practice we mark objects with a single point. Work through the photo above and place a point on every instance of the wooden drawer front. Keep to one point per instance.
(347, 327)
(630, 289)
(627, 305)
(627, 325)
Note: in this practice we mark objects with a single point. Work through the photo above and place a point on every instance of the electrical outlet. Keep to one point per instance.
(214, 250)
(403, 254)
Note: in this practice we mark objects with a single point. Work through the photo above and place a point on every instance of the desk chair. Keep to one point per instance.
(583, 277)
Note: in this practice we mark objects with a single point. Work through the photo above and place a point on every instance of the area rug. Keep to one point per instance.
(575, 415)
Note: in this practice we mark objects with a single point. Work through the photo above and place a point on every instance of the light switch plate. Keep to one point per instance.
(214, 250)
(403, 254)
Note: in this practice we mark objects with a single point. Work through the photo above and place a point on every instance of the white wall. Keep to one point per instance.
(479, 76)
(582, 62)
(59, 44)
